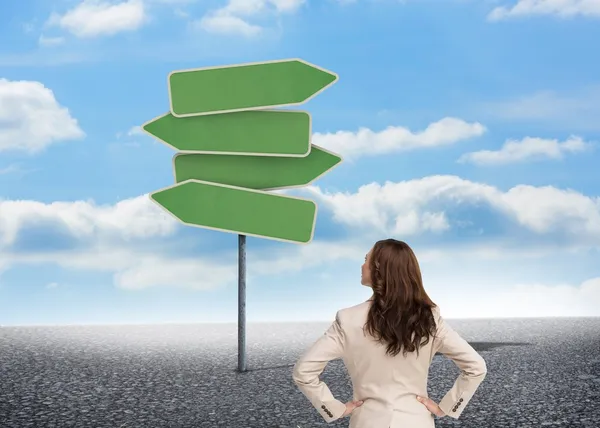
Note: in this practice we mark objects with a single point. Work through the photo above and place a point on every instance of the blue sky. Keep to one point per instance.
(469, 129)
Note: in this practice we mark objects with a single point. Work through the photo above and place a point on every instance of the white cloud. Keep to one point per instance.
(245, 7)
(287, 5)
(510, 301)
(127, 220)
(562, 8)
(93, 18)
(182, 273)
(527, 149)
(31, 119)
(422, 205)
(299, 257)
(135, 130)
(223, 23)
(113, 238)
(543, 104)
(233, 17)
(415, 206)
(50, 41)
(130, 238)
(10, 169)
(108, 239)
(180, 13)
(365, 142)
(576, 109)
(172, 2)
(134, 268)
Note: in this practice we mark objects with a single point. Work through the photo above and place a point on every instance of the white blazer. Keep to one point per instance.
(387, 385)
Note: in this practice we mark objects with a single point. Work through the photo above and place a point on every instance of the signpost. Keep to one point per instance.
(256, 172)
(233, 149)
(264, 133)
(253, 86)
(236, 209)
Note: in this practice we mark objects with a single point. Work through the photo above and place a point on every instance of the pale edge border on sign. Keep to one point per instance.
(337, 77)
(274, 188)
(312, 233)
(281, 155)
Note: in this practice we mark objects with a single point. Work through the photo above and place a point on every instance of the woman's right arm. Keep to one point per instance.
(472, 367)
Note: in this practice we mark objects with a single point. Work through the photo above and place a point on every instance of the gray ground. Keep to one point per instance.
(541, 373)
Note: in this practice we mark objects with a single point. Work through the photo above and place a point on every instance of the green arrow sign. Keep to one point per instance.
(268, 133)
(238, 210)
(250, 86)
(255, 172)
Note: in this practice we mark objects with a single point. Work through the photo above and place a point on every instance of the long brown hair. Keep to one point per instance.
(401, 312)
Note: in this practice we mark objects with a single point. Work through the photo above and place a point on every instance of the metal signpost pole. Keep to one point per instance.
(242, 303)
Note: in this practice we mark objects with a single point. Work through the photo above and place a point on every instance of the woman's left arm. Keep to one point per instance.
(311, 364)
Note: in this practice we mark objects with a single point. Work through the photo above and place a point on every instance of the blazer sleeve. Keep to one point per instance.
(311, 364)
(472, 368)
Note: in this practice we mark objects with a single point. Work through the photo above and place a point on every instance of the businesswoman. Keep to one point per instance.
(387, 344)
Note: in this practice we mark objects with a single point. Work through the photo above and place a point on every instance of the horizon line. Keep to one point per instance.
(283, 321)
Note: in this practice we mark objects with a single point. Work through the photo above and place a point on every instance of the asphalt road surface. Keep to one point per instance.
(541, 373)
